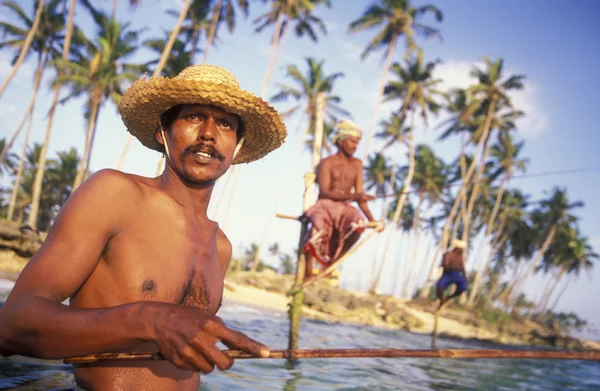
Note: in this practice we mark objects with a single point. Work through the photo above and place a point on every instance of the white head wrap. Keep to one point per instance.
(347, 129)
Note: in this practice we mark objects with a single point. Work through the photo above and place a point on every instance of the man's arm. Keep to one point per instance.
(324, 175)
(359, 188)
(33, 321)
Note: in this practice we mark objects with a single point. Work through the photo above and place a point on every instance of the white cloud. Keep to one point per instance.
(455, 74)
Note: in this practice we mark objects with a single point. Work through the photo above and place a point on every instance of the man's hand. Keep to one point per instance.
(363, 197)
(380, 227)
(187, 337)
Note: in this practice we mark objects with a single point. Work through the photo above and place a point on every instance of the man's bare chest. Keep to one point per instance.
(343, 175)
(166, 264)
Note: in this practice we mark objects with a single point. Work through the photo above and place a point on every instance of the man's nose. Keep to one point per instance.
(207, 130)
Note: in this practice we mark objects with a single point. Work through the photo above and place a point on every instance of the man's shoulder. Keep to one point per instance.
(356, 162)
(111, 182)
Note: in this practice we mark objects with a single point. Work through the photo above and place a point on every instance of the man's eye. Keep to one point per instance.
(193, 116)
(224, 124)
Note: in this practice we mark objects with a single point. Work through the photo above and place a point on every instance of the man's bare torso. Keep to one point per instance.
(453, 261)
(160, 253)
(343, 173)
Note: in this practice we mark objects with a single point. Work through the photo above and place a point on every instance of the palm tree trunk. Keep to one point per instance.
(213, 29)
(490, 225)
(161, 64)
(89, 155)
(26, 46)
(17, 183)
(553, 280)
(538, 258)
(561, 293)
(434, 264)
(471, 204)
(386, 69)
(385, 211)
(88, 144)
(479, 272)
(415, 246)
(36, 86)
(39, 175)
(401, 200)
(272, 54)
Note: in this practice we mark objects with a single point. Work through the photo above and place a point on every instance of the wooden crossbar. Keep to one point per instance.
(370, 224)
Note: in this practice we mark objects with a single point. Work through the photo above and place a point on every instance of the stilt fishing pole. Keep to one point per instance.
(591, 355)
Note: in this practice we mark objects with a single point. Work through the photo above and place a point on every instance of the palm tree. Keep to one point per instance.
(99, 74)
(282, 14)
(478, 107)
(44, 42)
(7, 166)
(26, 43)
(307, 87)
(415, 87)
(223, 10)
(554, 212)
(569, 254)
(505, 153)
(17, 181)
(396, 18)
(195, 23)
(37, 184)
(394, 131)
(429, 181)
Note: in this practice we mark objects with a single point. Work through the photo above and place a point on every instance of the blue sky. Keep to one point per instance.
(554, 46)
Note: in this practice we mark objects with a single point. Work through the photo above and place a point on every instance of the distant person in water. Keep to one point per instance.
(454, 272)
(139, 259)
(335, 225)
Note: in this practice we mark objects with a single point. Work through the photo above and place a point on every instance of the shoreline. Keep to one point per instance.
(264, 299)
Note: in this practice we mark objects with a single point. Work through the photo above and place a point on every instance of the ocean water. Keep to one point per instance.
(423, 374)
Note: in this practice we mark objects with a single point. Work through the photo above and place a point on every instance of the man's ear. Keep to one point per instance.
(158, 137)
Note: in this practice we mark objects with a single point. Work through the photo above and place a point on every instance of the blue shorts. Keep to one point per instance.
(452, 277)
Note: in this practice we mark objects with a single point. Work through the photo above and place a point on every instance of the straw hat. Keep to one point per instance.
(147, 99)
(456, 243)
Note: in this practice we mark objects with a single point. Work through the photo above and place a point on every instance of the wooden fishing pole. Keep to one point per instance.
(591, 355)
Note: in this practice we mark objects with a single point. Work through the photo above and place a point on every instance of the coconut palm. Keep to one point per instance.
(45, 43)
(222, 11)
(506, 157)
(554, 213)
(37, 184)
(28, 35)
(479, 105)
(396, 18)
(415, 88)
(307, 87)
(9, 164)
(99, 74)
(282, 14)
(429, 181)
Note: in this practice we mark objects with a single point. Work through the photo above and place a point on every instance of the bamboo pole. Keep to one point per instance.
(590, 355)
(297, 293)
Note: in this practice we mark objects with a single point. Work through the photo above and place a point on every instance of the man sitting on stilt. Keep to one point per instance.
(454, 272)
(335, 224)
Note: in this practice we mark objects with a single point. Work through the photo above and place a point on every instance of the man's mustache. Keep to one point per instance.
(206, 148)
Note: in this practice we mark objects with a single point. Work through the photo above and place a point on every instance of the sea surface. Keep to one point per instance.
(423, 374)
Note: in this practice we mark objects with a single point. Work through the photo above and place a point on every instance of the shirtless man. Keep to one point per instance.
(140, 261)
(335, 224)
(454, 273)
